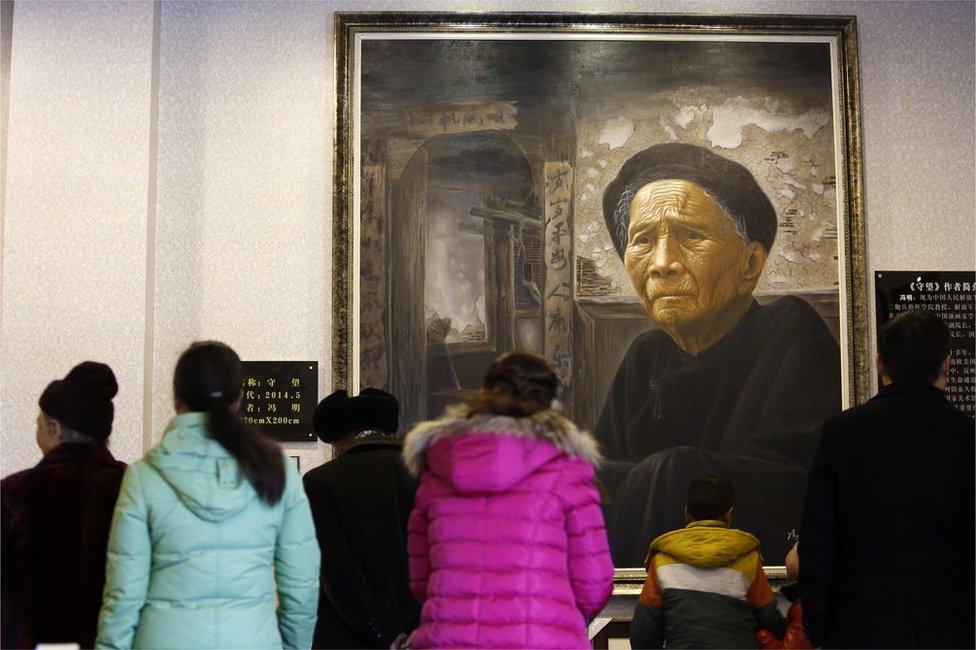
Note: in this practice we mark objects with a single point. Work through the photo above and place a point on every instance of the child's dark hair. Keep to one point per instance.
(208, 379)
(913, 345)
(710, 497)
(517, 384)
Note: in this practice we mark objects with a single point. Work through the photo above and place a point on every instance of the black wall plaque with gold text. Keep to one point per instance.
(951, 295)
(279, 398)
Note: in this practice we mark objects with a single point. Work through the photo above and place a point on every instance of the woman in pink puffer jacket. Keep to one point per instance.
(506, 540)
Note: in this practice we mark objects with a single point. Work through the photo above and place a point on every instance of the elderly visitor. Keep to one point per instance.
(56, 515)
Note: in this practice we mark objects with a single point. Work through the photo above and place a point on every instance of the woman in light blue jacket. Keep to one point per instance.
(210, 527)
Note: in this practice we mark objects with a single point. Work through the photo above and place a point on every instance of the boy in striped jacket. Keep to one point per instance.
(705, 586)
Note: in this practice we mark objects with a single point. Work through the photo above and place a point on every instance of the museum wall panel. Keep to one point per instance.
(199, 206)
(74, 241)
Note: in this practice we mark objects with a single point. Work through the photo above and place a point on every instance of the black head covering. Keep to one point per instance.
(732, 186)
(339, 415)
(82, 401)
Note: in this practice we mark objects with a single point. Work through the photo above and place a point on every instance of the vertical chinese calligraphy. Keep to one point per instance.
(559, 273)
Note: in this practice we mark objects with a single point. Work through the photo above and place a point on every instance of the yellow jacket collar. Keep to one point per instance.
(707, 543)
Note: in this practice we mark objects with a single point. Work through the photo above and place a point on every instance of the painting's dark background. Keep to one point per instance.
(405, 74)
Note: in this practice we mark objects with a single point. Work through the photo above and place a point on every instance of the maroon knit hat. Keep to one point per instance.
(82, 401)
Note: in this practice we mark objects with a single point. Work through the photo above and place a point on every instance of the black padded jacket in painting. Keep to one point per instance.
(749, 408)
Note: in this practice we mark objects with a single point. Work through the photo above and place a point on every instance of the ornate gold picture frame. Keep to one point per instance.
(474, 153)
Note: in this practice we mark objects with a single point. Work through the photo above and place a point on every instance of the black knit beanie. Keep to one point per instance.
(82, 401)
(732, 186)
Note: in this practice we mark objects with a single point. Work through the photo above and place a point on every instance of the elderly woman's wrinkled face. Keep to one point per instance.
(684, 256)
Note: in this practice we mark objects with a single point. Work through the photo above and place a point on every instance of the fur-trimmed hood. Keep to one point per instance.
(488, 452)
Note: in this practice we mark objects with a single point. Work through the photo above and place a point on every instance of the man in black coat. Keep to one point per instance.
(55, 517)
(887, 535)
(361, 501)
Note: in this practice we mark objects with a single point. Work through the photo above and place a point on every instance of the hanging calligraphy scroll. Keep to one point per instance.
(559, 272)
(372, 280)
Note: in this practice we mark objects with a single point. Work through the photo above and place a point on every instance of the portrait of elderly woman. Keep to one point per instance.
(721, 384)
(668, 221)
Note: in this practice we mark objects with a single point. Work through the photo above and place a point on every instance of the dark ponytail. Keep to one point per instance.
(208, 379)
(517, 384)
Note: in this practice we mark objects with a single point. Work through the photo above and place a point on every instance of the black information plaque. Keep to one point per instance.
(951, 295)
(279, 398)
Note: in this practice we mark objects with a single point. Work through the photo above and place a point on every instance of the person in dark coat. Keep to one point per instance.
(722, 385)
(887, 538)
(55, 517)
(361, 502)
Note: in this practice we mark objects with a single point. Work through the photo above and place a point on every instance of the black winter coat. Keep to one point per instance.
(55, 521)
(361, 502)
(749, 409)
(887, 536)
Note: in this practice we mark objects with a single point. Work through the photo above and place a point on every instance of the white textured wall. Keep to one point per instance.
(232, 201)
(74, 241)
(240, 240)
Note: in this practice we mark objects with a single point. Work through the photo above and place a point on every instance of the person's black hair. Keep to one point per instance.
(208, 379)
(710, 497)
(517, 384)
(913, 345)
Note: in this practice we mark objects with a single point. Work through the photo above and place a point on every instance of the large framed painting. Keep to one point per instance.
(668, 208)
